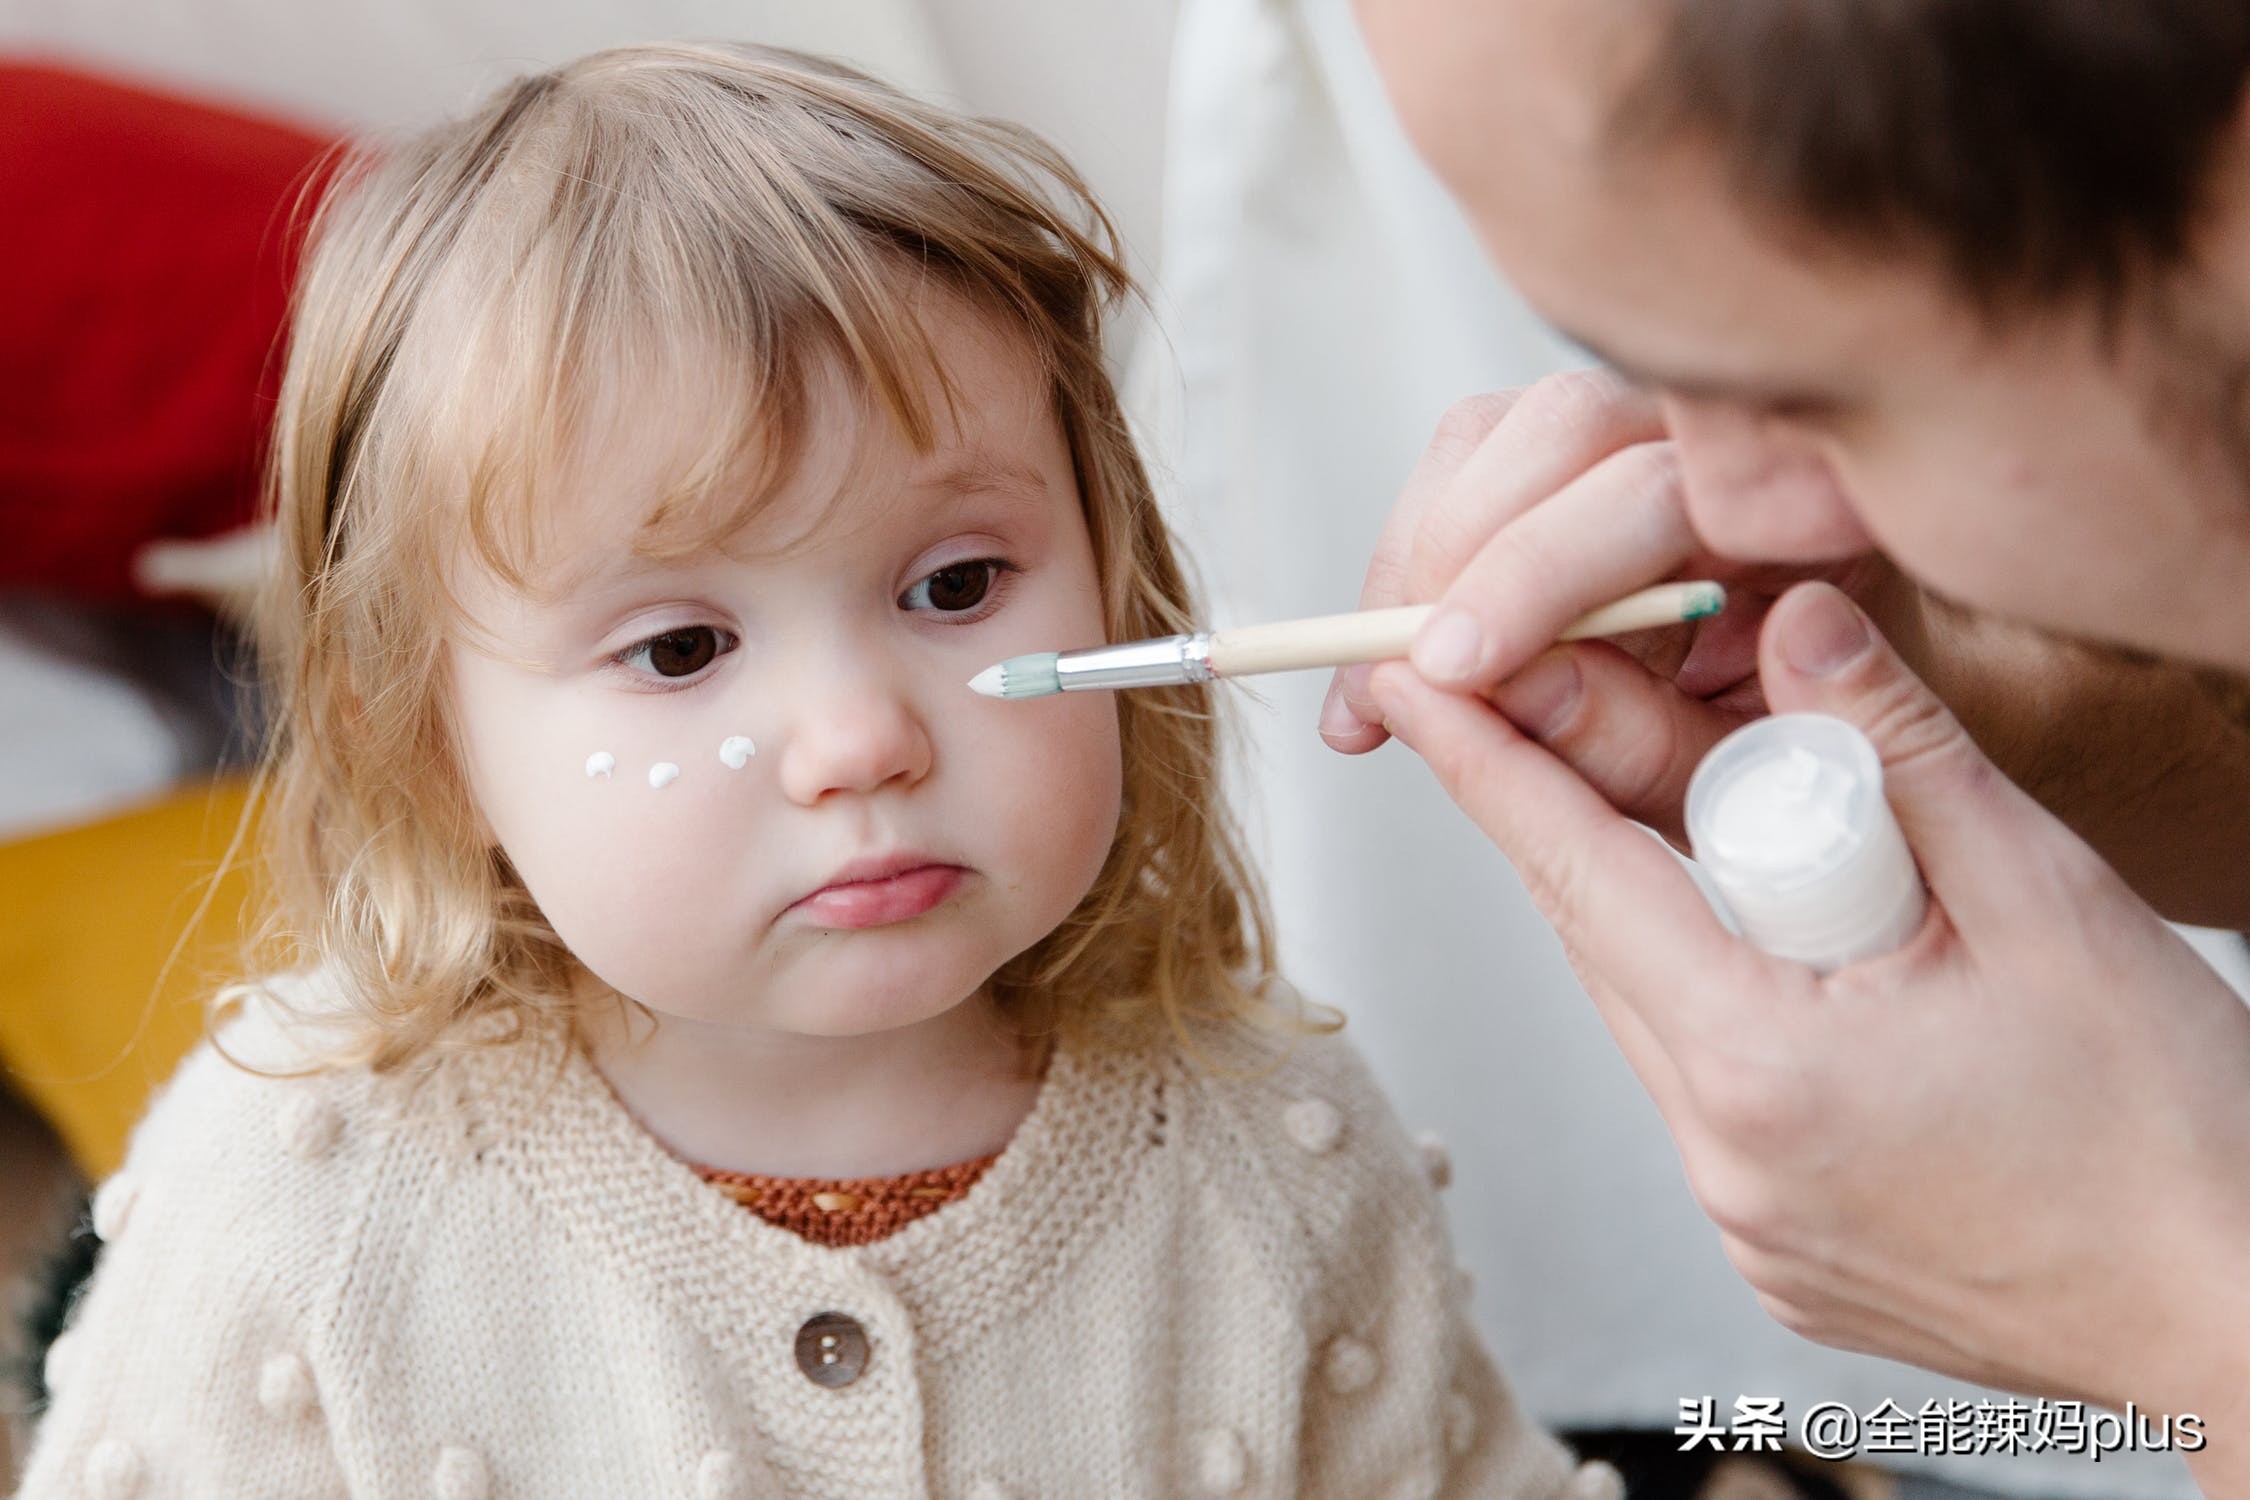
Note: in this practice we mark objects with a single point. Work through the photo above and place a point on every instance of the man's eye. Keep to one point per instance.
(953, 590)
(678, 653)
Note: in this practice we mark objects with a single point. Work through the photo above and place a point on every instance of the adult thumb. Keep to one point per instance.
(1967, 824)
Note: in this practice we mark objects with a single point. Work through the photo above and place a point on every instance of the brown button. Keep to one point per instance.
(831, 1349)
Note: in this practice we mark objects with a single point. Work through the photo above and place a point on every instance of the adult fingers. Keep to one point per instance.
(1494, 458)
(1619, 900)
(1631, 735)
(1348, 719)
(1619, 526)
(1462, 434)
(1550, 435)
(1820, 654)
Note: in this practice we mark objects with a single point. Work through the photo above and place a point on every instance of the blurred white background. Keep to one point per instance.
(1318, 307)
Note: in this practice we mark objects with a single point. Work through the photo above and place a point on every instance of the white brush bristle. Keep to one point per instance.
(1031, 676)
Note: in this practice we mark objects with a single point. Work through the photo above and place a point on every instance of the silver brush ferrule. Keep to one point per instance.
(1158, 663)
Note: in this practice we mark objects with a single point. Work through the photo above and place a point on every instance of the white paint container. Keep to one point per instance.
(1787, 818)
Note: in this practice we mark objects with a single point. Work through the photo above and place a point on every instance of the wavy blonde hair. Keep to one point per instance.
(468, 295)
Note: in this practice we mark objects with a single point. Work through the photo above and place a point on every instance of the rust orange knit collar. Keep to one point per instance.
(847, 1211)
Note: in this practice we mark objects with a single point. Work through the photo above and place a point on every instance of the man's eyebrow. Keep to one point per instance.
(1693, 387)
(1637, 375)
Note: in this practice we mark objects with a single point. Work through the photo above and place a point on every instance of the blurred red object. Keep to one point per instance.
(149, 245)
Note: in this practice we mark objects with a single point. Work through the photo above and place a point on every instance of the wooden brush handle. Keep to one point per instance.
(1325, 641)
(1385, 634)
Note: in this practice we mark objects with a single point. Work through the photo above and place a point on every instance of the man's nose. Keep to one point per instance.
(1760, 488)
(854, 733)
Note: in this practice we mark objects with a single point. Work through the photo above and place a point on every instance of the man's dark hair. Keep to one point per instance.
(2039, 149)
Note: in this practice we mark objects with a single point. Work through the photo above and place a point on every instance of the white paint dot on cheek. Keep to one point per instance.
(735, 750)
(663, 774)
(600, 763)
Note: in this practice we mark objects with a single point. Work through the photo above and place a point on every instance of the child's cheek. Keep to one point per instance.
(630, 832)
(1051, 773)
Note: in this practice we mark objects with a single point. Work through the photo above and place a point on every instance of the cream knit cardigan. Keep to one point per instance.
(484, 1280)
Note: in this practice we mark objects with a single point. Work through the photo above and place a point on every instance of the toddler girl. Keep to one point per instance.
(717, 1053)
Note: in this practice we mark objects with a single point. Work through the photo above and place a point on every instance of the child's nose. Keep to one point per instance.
(853, 738)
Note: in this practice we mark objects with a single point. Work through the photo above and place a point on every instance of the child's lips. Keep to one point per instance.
(875, 903)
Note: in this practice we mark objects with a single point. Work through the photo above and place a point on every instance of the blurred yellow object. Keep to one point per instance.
(92, 915)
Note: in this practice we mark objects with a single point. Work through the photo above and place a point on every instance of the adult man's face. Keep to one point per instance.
(1823, 396)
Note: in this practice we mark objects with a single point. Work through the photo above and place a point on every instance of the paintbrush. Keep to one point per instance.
(1293, 645)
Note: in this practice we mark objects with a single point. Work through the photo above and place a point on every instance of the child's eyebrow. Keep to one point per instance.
(623, 568)
(955, 478)
(978, 472)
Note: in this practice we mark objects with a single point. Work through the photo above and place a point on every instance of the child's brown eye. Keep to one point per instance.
(678, 653)
(960, 587)
(683, 653)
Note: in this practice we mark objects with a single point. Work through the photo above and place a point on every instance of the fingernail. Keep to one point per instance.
(1336, 716)
(1450, 647)
(1390, 700)
(1541, 696)
(1825, 632)
(1355, 684)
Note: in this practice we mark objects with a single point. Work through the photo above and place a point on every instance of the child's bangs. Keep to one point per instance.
(692, 438)
(614, 442)
(656, 327)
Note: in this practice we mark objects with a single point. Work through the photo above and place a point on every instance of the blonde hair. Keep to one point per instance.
(466, 294)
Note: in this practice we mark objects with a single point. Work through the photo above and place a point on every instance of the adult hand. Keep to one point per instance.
(2015, 1150)
(1530, 508)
